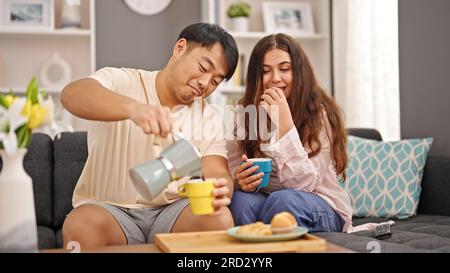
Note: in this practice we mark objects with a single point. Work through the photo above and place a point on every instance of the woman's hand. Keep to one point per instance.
(245, 178)
(274, 96)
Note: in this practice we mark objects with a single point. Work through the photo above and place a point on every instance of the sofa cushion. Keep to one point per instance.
(38, 163)
(59, 239)
(435, 182)
(421, 233)
(383, 178)
(70, 153)
(46, 237)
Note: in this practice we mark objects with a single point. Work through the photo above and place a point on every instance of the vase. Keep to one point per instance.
(240, 24)
(18, 230)
(1, 70)
(71, 14)
(55, 72)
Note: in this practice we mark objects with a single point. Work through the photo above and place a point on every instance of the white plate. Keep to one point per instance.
(297, 232)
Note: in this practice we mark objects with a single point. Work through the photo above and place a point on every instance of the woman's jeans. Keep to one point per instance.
(310, 210)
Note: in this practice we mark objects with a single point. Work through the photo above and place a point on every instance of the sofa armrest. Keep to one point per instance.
(435, 195)
(70, 154)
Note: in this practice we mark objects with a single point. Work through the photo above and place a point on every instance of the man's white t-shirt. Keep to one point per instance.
(115, 147)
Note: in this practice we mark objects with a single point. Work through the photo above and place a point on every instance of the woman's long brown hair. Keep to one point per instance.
(306, 102)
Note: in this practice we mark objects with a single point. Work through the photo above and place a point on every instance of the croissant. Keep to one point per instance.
(257, 228)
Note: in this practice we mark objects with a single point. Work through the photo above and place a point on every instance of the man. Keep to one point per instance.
(130, 108)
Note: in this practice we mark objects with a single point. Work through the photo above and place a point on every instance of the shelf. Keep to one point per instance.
(259, 35)
(24, 50)
(21, 90)
(232, 89)
(47, 33)
(316, 45)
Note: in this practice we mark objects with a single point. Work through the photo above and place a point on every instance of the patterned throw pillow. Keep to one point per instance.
(383, 178)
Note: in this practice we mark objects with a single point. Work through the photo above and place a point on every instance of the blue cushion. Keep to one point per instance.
(383, 178)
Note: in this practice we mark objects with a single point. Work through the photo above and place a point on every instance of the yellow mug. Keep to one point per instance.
(200, 195)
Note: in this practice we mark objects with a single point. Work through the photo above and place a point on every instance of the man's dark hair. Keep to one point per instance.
(207, 35)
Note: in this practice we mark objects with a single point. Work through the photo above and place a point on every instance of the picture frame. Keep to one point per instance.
(27, 15)
(294, 18)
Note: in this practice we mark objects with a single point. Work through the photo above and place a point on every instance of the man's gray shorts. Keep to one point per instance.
(141, 225)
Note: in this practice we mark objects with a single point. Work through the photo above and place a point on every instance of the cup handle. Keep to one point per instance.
(182, 191)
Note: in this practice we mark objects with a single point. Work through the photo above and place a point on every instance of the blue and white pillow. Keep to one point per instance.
(383, 178)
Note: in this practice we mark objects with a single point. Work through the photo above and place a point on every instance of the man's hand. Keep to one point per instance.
(152, 119)
(214, 166)
(220, 195)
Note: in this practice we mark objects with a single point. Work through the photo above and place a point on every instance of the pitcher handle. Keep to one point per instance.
(175, 134)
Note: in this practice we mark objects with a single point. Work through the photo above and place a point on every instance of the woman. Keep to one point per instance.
(309, 153)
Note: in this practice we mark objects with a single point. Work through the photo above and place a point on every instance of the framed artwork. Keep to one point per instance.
(27, 14)
(293, 18)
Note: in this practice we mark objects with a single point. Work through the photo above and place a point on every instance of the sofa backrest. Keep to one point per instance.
(38, 163)
(365, 133)
(435, 195)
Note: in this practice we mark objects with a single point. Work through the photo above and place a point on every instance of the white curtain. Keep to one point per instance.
(366, 64)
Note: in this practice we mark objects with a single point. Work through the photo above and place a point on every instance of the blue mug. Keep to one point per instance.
(265, 166)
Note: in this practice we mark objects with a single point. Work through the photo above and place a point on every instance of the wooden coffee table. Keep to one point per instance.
(233, 247)
(152, 248)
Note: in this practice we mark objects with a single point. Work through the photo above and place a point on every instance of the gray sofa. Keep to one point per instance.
(428, 231)
(55, 166)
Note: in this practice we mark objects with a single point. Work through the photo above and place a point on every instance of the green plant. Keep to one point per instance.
(239, 9)
(20, 115)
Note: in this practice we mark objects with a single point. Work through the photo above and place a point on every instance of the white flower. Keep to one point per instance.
(14, 119)
(49, 125)
(50, 106)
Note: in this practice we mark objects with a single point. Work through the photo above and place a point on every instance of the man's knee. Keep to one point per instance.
(85, 225)
(221, 221)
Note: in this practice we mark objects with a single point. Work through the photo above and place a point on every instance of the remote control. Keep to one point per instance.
(383, 231)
